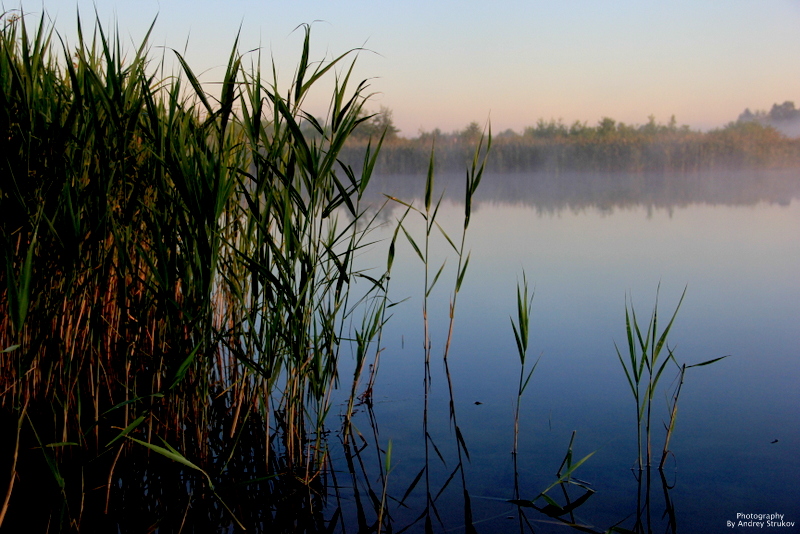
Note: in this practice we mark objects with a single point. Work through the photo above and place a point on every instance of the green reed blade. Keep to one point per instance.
(435, 279)
(19, 289)
(530, 374)
(566, 475)
(413, 243)
(447, 237)
(429, 179)
(708, 362)
(663, 338)
(171, 453)
(180, 374)
(392, 243)
(635, 369)
(370, 158)
(461, 274)
(660, 370)
(228, 96)
(431, 219)
(195, 83)
(627, 374)
(518, 339)
(127, 430)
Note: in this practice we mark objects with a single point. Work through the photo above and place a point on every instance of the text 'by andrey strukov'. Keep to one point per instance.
(760, 521)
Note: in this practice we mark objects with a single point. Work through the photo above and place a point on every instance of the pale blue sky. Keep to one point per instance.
(446, 63)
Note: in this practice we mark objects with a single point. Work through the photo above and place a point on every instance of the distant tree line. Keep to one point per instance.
(783, 117)
(553, 146)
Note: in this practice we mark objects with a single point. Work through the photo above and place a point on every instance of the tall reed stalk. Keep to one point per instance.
(521, 330)
(428, 214)
(643, 369)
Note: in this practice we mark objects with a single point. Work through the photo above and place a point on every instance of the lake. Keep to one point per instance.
(586, 243)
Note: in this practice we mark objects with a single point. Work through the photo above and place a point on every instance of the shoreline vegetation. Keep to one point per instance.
(178, 284)
(552, 146)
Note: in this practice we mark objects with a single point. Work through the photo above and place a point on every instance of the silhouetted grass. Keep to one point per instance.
(170, 255)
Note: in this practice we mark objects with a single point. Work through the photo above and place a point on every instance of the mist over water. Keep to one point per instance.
(557, 191)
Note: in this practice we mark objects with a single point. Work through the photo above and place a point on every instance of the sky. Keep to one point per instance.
(444, 64)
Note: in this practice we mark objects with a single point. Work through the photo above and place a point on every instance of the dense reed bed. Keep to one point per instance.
(178, 269)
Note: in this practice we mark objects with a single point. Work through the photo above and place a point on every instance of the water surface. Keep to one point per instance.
(586, 243)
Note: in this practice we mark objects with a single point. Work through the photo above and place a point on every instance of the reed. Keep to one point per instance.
(474, 175)
(170, 255)
(644, 366)
(643, 369)
(550, 507)
(672, 404)
(428, 213)
(521, 330)
(178, 282)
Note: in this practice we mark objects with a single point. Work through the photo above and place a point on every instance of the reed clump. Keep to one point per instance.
(648, 356)
(177, 267)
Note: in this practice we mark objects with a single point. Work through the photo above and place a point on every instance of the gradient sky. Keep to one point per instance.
(446, 63)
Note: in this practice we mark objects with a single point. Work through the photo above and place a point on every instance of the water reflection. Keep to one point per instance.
(554, 192)
(730, 236)
(585, 241)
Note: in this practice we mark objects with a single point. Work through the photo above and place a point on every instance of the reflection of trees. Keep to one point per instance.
(552, 192)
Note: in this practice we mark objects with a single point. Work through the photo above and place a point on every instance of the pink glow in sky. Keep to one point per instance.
(446, 63)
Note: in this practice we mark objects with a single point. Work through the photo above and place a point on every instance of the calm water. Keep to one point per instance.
(733, 239)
